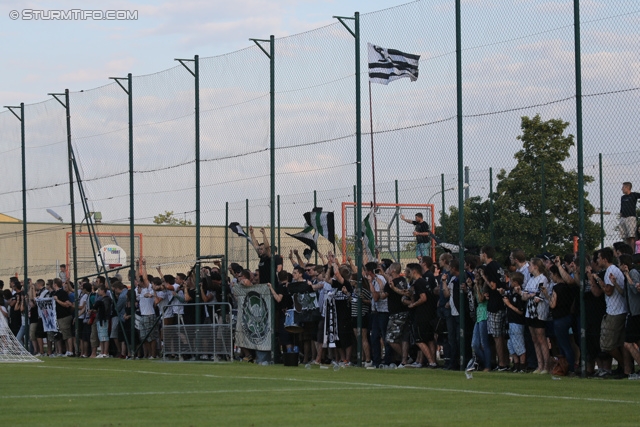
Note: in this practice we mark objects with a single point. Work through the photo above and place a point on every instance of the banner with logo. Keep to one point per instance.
(253, 327)
(47, 312)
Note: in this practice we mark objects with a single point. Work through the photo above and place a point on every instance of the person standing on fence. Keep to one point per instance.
(422, 234)
(628, 223)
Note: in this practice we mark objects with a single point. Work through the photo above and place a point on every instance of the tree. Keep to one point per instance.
(518, 207)
(520, 212)
(168, 219)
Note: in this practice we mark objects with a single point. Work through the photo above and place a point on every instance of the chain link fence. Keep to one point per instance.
(409, 135)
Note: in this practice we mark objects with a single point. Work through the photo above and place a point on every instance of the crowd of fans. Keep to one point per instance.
(522, 315)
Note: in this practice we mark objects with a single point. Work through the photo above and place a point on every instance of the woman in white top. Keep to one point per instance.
(536, 294)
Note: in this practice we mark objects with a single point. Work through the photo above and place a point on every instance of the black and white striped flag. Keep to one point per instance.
(323, 223)
(307, 237)
(387, 65)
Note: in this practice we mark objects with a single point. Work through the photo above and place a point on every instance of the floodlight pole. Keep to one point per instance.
(24, 207)
(272, 150)
(196, 74)
(132, 275)
(358, 240)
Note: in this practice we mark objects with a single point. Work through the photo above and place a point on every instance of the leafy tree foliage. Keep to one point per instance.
(168, 219)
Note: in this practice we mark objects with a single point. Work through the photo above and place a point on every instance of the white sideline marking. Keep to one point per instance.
(152, 393)
(353, 384)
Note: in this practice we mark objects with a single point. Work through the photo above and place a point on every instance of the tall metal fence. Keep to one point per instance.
(523, 69)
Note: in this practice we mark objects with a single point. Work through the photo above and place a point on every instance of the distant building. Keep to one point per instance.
(7, 218)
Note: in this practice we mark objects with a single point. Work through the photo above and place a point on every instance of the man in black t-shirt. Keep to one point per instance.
(494, 275)
(628, 222)
(422, 234)
(421, 313)
(63, 314)
(395, 290)
(264, 253)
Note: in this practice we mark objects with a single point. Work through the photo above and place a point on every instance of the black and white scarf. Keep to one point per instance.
(330, 321)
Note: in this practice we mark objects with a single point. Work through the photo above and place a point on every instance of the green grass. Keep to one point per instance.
(80, 392)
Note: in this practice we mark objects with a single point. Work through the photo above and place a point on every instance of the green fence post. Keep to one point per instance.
(444, 231)
(225, 264)
(24, 211)
(543, 209)
(247, 242)
(315, 205)
(601, 205)
(397, 223)
(579, 146)
(493, 240)
(460, 179)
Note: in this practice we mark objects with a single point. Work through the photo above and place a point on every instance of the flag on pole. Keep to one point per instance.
(387, 65)
(323, 223)
(368, 238)
(237, 228)
(307, 237)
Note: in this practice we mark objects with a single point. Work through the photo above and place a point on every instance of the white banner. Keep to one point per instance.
(253, 328)
(47, 312)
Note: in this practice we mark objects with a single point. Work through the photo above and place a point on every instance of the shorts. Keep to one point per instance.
(33, 328)
(121, 333)
(309, 331)
(422, 331)
(103, 331)
(627, 227)
(632, 330)
(516, 339)
(64, 326)
(86, 332)
(345, 333)
(40, 333)
(612, 332)
(320, 336)
(423, 249)
(95, 342)
(397, 328)
(148, 327)
(366, 321)
(536, 323)
(495, 324)
(114, 328)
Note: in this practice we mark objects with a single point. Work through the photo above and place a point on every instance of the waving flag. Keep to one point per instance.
(387, 65)
(323, 223)
(237, 228)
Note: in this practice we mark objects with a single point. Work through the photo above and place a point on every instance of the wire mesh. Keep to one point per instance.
(526, 68)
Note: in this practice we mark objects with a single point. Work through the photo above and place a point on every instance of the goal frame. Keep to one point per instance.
(101, 234)
(432, 220)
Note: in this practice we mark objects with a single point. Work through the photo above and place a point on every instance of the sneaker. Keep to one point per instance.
(416, 365)
(432, 365)
(53, 355)
(603, 373)
(37, 355)
(401, 366)
(544, 372)
(501, 369)
(634, 377)
(368, 364)
(68, 354)
(537, 371)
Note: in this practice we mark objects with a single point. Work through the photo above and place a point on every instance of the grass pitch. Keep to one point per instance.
(81, 392)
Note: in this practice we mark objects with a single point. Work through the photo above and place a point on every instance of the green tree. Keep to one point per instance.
(167, 218)
(519, 208)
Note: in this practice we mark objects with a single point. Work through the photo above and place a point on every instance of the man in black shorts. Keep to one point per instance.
(421, 326)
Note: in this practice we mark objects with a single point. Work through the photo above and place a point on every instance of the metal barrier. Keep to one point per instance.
(211, 340)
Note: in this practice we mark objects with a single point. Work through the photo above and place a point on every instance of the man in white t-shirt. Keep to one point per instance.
(145, 296)
(612, 328)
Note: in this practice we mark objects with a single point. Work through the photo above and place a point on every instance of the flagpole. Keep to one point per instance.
(373, 169)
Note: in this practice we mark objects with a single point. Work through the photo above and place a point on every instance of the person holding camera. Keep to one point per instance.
(537, 297)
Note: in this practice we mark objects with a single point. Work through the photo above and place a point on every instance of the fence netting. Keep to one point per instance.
(525, 69)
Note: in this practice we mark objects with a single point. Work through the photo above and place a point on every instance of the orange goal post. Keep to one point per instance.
(394, 237)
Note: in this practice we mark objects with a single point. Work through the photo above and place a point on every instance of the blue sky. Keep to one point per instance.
(49, 56)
